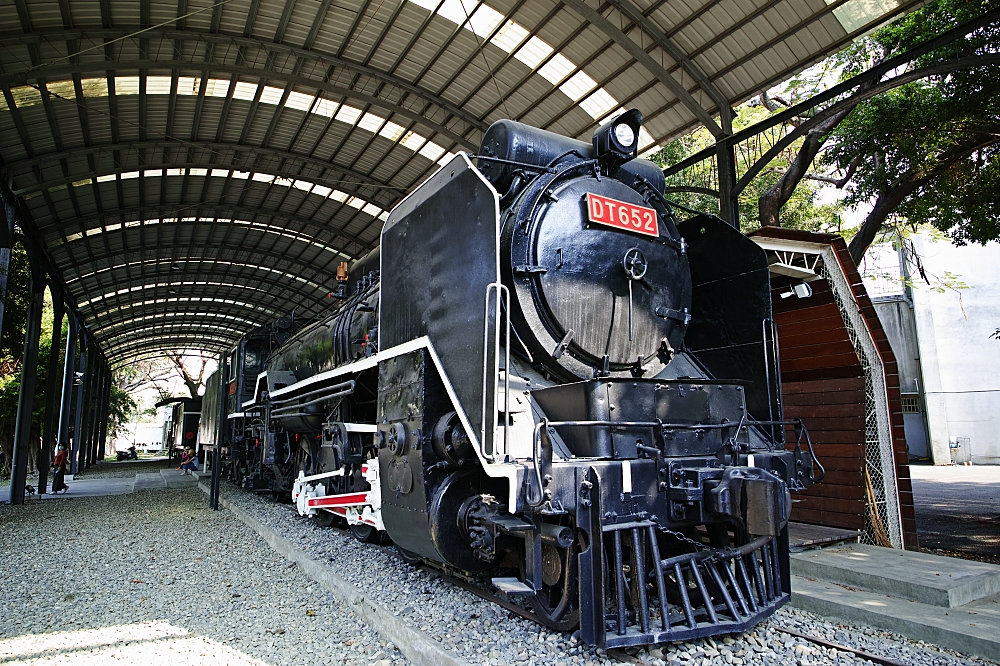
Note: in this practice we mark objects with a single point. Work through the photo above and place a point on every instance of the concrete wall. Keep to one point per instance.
(960, 362)
(900, 327)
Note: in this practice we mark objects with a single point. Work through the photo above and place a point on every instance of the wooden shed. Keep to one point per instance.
(839, 375)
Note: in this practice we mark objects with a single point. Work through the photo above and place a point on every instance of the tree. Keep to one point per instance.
(925, 150)
(193, 380)
(801, 209)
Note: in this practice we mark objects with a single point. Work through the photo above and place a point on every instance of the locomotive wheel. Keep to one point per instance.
(365, 533)
(325, 518)
(557, 604)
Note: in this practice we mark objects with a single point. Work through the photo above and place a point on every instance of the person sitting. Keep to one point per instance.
(189, 461)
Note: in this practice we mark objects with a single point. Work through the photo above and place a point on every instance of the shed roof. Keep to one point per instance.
(196, 168)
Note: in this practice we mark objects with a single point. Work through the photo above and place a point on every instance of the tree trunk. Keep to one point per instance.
(885, 204)
(770, 202)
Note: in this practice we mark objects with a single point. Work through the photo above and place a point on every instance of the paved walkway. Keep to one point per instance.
(114, 478)
(958, 509)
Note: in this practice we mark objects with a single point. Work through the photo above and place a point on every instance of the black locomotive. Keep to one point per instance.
(543, 374)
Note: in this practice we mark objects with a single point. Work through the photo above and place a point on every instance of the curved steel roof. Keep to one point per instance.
(196, 168)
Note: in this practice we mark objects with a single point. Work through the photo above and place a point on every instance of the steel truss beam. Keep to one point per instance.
(60, 71)
(49, 37)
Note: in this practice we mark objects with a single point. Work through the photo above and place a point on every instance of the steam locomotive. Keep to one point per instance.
(542, 374)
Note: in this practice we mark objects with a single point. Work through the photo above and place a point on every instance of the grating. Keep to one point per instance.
(882, 519)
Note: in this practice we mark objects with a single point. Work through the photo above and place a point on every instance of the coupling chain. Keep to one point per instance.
(682, 537)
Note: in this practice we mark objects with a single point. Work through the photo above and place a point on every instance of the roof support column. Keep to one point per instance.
(97, 409)
(52, 403)
(79, 381)
(26, 395)
(86, 439)
(729, 203)
(66, 397)
(220, 434)
(6, 241)
(105, 412)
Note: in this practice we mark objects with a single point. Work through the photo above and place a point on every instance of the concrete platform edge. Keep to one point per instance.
(417, 646)
(929, 631)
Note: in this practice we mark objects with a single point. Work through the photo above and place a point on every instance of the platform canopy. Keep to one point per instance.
(197, 168)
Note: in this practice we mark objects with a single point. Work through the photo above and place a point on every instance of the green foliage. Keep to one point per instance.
(916, 132)
(803, 211)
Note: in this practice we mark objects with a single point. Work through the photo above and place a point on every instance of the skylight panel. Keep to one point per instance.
(557, 68)
(325, 107)
(271, 95)
(372, 210)
(63, 89)
(533, 52)
(128, 175)
(510, 35)
(453, 11)
(220, 173)
(302, 185)
(432, 151)
(391, 130)
(245, 91)
(339, 196)
(598, 104)
(413, 141)
(96, 87)
(217, 88)
(579, 85)
(300, 101)
(104, 179)
(348, 114)
(322, 190)
(355, 202)
(25, 96)
(197, 172)
(126, 85)
(188, 85)
(484, 20)
(371, 122)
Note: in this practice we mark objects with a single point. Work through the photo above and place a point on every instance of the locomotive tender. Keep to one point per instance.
(542, 374)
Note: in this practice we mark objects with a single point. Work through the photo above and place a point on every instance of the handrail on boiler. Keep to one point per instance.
(502, 293)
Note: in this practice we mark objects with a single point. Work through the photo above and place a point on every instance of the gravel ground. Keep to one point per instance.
(484, 633)
(155, 577)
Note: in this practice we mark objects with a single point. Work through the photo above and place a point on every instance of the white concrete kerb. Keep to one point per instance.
(417, 646)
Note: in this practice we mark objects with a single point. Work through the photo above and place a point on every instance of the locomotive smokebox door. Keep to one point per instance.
(601, 279)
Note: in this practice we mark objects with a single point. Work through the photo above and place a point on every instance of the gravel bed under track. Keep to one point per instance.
(156, 577)
(484, 633)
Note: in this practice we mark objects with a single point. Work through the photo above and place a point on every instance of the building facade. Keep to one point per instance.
(940, 307)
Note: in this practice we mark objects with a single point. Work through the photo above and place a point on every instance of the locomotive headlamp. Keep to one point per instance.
(616, 141)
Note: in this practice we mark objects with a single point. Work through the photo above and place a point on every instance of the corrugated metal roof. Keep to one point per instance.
(182, 168)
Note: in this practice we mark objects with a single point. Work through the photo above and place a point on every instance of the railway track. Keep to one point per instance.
(621, 655)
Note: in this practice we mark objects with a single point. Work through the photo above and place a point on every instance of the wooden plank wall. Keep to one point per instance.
(822, 384)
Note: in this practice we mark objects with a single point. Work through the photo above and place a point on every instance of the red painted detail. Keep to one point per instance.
(622, 215)
(350, 499)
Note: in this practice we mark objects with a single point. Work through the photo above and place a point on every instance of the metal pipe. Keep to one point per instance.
(66, 396)
(323, 398)
(335, 387)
